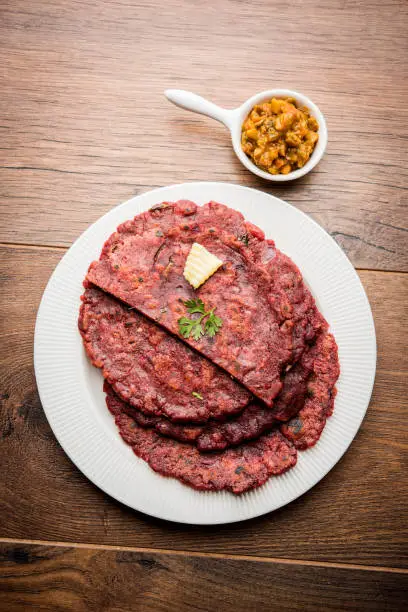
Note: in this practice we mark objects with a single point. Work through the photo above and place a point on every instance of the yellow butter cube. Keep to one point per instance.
(200, 265)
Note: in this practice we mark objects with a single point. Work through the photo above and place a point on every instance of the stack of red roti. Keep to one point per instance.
(226, 411)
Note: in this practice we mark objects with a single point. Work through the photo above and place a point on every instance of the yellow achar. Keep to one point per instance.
(278, 136)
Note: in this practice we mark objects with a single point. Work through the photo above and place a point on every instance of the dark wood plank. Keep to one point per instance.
(357, 514)
(85, 124)
(85, 579)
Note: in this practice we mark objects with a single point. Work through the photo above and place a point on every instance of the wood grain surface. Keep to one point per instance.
(63, 578)
(84, 126)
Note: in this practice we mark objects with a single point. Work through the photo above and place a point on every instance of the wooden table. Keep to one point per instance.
(84, 126)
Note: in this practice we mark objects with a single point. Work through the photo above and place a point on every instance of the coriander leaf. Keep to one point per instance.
(197, 331)
(210, 330)
(217, 322)
(194, 306)
(213, 325)
(185, 326)
(185, 321)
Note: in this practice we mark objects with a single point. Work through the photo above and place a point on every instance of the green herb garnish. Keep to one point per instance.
(244, 238)
(199, 326)
(197, 395)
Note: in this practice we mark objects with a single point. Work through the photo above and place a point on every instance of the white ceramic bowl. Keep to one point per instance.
(233, 120)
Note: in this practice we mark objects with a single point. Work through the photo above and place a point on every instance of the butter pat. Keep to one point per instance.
(200, 265)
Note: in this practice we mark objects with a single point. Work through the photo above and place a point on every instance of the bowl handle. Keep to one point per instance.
(192, 102)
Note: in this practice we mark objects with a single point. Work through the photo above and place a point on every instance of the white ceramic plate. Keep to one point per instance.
(71, 389)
